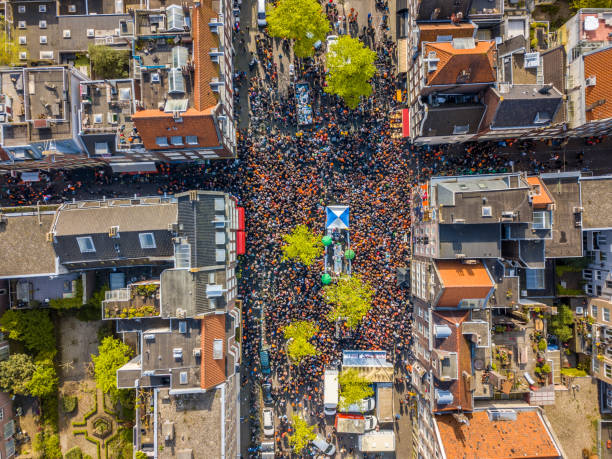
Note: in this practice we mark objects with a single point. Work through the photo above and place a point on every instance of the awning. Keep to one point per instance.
(402, 55)
(240, 242)
(134, 168)
(241, 218)
(30, 176)
(405, 122)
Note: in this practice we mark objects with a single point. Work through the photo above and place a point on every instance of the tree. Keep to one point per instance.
(112, 354)
(33, 327)
(351, 298)
(44, 379)
(353, 387)
(560, 324)
(15, 374)
(302, 434)
(141, 455)
(298, 334)
(579, 4)
(351, 66)
(302, 244)
(9, 49)
(108, 63)
(299, 20)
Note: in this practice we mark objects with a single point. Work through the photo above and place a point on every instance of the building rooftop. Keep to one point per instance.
(462, 281)
(525, 105)
(24, 249)
(429, 32)
(430, 10)
(213, 351)
(452, 119)
(193, 293)
(595, 26)
(554, 63)
(461, 61)
(539, 193)
(597, 64)
(597, 212)
(470, 241)
(525, 435)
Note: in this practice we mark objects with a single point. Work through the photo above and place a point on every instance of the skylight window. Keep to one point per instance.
(179, 56)
(177, 81)
(86, 244)
(176, 18)
(147, 240)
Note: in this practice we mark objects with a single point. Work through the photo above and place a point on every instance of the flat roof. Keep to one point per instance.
(597, 212)
(526, 437)
(24, 249)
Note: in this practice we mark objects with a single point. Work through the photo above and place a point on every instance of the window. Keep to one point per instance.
(191, 140)
(535, 279)
(217, 349)
(595, 366)
(23, 40)
(541, 220)
(598, 289)
(21, 25)
(66, 33)
(594, 311)
(606, 314)
(161, 141)
(219, 204)
(608, 284)
(42, 24)
(598, 275)
(219, 237)
(220, 255)
(176, 140)
(43, 39)
(1, 414)
(21, 9)
(86, 244)
(147, 240)
(42, 8)
(608, 371)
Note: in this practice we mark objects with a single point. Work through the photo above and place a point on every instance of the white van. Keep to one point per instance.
(382, 441)
(362, 406)
(330, 392)
(261, 13)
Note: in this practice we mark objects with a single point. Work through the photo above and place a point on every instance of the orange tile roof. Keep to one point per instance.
(155, 123)
(431, 32)
(462, 281)
(541, 197)
(205, 69)
(598, 64)
(478, 62)
(212, 371)
(525, 438)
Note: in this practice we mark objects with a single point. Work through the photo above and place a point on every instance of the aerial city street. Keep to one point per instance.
(306, 228)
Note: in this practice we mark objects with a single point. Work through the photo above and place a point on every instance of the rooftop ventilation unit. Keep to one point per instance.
(155, 77)
(177, 353)
(149, 337)
(591, 81)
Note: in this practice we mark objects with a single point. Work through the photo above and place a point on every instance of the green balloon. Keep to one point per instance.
(326, 279)
(349, 254)
(326, 240)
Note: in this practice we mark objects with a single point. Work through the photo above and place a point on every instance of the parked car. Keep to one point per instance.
(261, 13)
(264, 362)
(266, 389)
(268, 422)
(363, 406)
(323, 446)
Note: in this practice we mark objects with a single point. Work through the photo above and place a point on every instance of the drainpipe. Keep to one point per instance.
(222, 456)
(155, 422)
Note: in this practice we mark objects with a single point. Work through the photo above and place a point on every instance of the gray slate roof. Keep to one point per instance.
(522, 103)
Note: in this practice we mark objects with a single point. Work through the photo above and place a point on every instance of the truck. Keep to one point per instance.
(382, 441)
(384, 402)
(354, 423)
(268, 450)
(330, 392)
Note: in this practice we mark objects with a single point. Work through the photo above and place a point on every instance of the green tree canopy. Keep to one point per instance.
(33, 327)
(351, 298)
(302, 434)
(299, 333)
(353, 387)
(351, 66)
(112, 354)
(578, 4)
(560, 325)
(299, 20)
(9, 49)
(15, 374)
(109, 63)
(44, 379)
(302, 244)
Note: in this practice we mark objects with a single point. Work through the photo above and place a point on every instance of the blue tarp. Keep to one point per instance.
(337, 217)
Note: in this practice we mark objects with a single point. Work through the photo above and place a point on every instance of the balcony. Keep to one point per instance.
(136, 300)
(216, 24)
(216, 55)
(216, 84)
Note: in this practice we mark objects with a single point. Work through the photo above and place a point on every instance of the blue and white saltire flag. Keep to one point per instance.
(337, 217)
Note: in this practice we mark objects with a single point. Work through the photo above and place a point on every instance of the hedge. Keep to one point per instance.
(74, 453)
(69, 403)
(89, 414)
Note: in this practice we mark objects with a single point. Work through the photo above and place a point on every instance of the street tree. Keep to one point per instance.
(44, 379)
(302, 434)
(108, 63)
(353, 387)
(300, 20)
(112, 354)
(351, 66)
(560, 324)
(15, 374)
(33, 327)
(580, 4)
(351, 298)
(303, 245)
(298, 335)
(9, 50)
